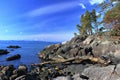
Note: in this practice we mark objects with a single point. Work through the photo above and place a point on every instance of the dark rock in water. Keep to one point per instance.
(2, 51)
(14, 57)
(13, 46)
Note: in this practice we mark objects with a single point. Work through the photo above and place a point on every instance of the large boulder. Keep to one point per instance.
(66, 48)
(77, 39)
(89, 40)
(49, 50)
(117, 54)
(111, 72)
(76, 77)
(74, 52)
(105, 48)
(22, 70)
(22, 67)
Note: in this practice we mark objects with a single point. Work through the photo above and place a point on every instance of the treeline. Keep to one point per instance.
(90, 20)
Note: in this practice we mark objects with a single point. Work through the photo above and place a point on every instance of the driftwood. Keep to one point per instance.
(75, 60)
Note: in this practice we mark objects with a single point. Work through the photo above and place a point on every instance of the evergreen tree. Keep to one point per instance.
(88, 23)
(85, 28)
(112, 19)
(94, 20)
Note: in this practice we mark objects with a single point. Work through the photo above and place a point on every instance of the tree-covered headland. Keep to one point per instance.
(106, 20)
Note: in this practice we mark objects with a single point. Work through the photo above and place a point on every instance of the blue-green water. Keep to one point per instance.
(29, 51)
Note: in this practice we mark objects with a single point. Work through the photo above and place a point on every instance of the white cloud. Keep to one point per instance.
(52, 9)
(82, 5)
(92, 2)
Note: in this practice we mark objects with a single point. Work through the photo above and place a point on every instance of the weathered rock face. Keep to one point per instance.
(49, 51)
(77, 39)
(89, 40)
(91, 46)
(77, 46)
(67, 50)
(103, 73)
(110, 72)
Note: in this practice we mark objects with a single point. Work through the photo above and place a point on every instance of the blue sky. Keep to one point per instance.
(44, 20)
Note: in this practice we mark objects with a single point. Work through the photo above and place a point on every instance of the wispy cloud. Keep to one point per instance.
(92, 2)
(82, 5)
(41, 37)
(50, 9)
(51, 36)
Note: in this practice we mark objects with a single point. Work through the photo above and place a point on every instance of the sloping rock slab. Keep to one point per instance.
(103, 73)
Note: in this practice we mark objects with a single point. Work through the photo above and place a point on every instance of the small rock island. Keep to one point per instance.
(2, 51)
(13, 47)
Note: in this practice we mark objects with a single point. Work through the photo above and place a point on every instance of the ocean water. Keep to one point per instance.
(29, 51)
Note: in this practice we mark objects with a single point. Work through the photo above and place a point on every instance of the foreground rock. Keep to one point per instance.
(93, 72)
(2, 51)
(111, 72)
(14, 57)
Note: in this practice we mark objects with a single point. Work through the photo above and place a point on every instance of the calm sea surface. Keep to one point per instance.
(29, 51)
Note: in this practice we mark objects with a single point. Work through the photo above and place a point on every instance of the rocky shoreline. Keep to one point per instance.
(81, 58)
